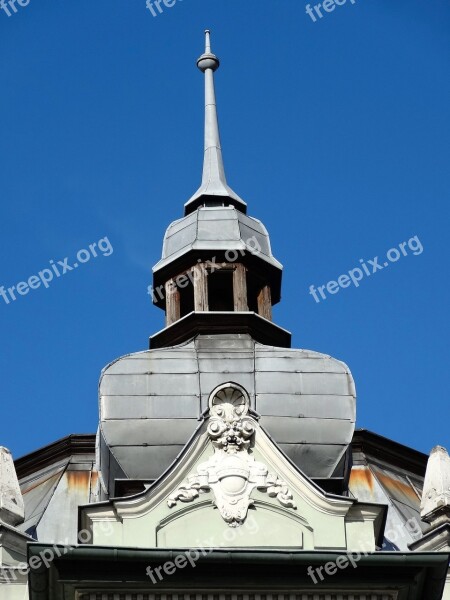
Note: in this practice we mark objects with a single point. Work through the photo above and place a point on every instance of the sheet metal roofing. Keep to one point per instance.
(216, 228)
(52, 495)
(391, 474)
(54, 486)
(151, 401)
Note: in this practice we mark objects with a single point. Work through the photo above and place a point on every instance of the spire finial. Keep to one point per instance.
(207, 41)
(208, 60)
(214, 182)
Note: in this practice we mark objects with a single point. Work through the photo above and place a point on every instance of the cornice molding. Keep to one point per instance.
(210, 323)
(65, 447)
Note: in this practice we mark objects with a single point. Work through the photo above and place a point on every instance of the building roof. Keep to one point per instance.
(383, 471)
(219, 228)
(54, 481)
(151, 402)
(390, 473)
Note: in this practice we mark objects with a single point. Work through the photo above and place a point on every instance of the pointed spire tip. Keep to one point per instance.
(208, 60)
(214, 182)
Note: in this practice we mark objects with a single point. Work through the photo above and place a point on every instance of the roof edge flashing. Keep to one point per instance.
(201, 198)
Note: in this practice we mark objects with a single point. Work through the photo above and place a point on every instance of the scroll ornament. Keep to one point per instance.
(231, 473)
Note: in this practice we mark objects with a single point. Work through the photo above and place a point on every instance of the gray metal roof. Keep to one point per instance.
(216, 228)
(150, 402)
(380, 473)
(379, 476)
(53, 493)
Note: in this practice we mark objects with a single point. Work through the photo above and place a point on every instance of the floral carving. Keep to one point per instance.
(231, 473)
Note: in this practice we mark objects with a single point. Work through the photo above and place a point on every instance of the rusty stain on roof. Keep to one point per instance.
(39, 482)
(79, 480)
(397, 488)
(361, 478)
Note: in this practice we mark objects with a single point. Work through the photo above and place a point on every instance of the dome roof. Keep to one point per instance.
(216, 229)
(151, 403)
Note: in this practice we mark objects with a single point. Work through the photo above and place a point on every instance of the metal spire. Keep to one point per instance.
(214, 188)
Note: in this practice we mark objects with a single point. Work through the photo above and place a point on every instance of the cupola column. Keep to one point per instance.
(200, 288)
(265, 303)
(173, 312)
(240, 288)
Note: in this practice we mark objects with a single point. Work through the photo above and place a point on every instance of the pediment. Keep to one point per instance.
(232, 485)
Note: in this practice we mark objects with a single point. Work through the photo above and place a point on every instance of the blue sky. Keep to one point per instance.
(335, 132)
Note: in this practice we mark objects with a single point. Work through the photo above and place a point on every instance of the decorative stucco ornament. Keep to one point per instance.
(232, 473)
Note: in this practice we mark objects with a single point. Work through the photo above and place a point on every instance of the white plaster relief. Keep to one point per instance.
(231, 473)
